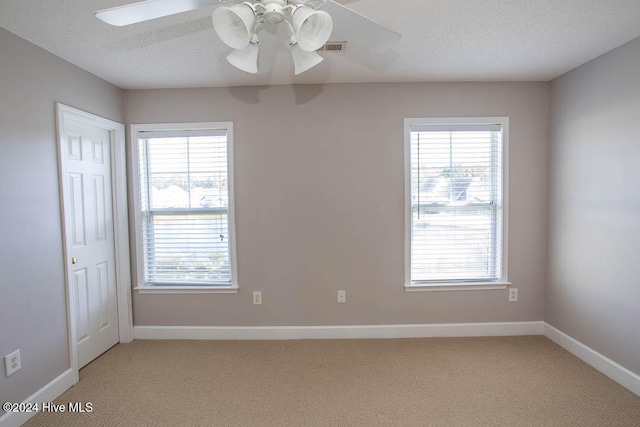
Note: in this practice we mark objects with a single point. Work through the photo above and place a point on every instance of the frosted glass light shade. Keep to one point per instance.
(303, 60)
(245, 59)
(234, 24)
(312, 28)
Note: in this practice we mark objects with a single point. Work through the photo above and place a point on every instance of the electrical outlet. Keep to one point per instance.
(342, 297)
(257, 298)
(12, 362)
(513, 294)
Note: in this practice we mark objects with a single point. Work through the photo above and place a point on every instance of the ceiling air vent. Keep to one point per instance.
(334, 47)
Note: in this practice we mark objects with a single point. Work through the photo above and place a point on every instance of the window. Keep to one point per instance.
(184, 207)
(455, 206)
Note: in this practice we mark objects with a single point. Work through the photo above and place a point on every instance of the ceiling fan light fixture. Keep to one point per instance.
(312, 28)
(238, 23)
(234, 24)
(302, 59)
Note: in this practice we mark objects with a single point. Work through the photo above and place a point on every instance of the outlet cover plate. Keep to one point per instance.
(342, 297)
(12, 363)
(257, 298)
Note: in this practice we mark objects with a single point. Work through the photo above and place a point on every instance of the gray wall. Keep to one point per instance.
(319, 198)
(33, 315)
(593, 291)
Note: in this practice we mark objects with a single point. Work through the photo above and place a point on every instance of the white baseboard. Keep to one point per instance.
(335, 332)
(48, 393)
(613, 370)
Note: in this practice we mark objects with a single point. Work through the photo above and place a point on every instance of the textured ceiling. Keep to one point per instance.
(442, 40)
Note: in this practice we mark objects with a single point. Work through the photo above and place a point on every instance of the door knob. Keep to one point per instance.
(74, 260)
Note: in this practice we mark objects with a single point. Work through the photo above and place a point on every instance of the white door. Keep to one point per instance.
(89, 207)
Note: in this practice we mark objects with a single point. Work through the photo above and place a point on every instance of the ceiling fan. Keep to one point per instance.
(310, 24)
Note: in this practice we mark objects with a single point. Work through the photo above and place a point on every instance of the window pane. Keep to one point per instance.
(452, 166)
(185, 201)
(187, 248)
(453, 244)
(187, 172)
(456, 200)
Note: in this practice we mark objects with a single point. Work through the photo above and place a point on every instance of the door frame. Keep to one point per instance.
(120, 223)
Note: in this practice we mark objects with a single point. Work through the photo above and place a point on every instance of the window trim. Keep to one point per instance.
(503, 281)
(141, 286)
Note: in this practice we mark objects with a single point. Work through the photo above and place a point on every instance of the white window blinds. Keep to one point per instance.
(184, 199)
(456, 203)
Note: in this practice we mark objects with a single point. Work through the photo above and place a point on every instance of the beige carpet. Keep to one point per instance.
(511, 381)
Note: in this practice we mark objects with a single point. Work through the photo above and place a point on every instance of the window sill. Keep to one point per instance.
(476, 286)
(186, 289)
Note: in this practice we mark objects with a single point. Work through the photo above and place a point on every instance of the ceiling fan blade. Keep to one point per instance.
(149, 9)
(358, 28)
(268, 42)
